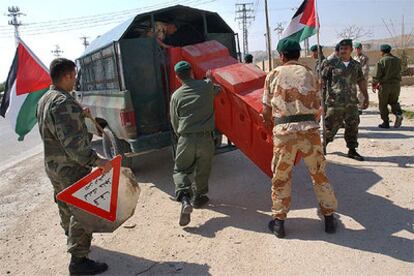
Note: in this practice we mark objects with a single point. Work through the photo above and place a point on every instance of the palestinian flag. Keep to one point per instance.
(27, 81)
(303, 24)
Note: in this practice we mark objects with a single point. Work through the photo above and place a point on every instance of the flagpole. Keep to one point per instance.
(320, 78)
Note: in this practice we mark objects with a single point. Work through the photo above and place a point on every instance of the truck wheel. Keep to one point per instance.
(112, 146)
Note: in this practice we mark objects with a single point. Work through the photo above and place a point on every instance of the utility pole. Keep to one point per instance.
(244, 15)
(14, 13)
(402, 33)
(57, 52)
(269, 45)
(85, 41)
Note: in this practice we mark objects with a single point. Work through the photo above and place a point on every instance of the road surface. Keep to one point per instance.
(230, 237)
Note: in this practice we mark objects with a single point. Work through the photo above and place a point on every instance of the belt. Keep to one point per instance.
(198, 134)
(295, 119)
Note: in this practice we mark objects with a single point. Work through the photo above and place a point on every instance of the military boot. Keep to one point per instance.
(353, 154)
(384, 125)
(85, 266)
(186, 210)
(277, 227)
(330, 224)
(199, 201)
(398, 121)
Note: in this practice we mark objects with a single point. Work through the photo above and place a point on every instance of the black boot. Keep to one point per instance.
(330, 224)
(384, 125)
(85, 266)
(398, 121)
(199, 201)
(352, 153)
(186, 210)
(277, 227)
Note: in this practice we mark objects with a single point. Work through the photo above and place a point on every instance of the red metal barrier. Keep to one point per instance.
(238, 106)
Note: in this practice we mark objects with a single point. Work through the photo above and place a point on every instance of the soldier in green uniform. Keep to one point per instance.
(192, 119)
(341, 76)
(68, 157)
(387, 78)
(319, 58)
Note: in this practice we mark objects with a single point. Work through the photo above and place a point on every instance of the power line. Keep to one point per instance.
(245, 15)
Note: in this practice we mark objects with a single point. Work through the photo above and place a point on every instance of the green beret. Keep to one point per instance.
(314, 48)
(181, 66)
(385, 48)
(357, 45)
(288, 45)
(345, 42)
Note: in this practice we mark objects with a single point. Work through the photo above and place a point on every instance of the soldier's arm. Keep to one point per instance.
(362, 83)
(70, 129)
(378, 73)
(216, 89)
(174, 115)
(267, 98)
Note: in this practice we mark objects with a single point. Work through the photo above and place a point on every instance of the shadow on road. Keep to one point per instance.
(241, 192)
(125, 264)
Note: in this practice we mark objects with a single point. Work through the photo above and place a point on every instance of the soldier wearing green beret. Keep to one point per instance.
(291, 103)
(192, 119)
(248, 58)
(387, 78)
(341, 77)
(364, 61)
(319, 57)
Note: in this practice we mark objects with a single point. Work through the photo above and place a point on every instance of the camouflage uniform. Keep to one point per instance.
(342, 101)
(388, 74)
(291, 89)
(364, 61)
(192, 119)
(68, 157)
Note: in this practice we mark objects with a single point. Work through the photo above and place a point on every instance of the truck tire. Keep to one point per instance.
(112, 146)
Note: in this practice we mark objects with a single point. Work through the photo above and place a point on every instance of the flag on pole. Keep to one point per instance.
(303, 24)
(27, 81)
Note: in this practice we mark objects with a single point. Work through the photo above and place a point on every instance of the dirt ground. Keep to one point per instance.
(230, 236)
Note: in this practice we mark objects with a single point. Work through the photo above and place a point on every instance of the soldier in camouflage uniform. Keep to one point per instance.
(68, 157)
(192, 119)
(335, 53)
(387, 78)
(291, 99)
(341, 76)
(364, 61)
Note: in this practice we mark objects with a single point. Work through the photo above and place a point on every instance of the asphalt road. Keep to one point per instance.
(13, 151)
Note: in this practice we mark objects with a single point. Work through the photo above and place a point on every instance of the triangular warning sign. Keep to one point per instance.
(96, 194)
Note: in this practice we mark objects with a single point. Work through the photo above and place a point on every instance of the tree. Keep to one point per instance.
(354, 32)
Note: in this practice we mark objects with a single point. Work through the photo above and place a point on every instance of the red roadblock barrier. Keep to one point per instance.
(238, 106)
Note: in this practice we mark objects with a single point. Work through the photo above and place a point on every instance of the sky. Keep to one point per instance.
(91, 19)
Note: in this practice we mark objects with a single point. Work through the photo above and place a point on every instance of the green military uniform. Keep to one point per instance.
(192, 119)
(341, 101)
(387, 73)
(68, 157)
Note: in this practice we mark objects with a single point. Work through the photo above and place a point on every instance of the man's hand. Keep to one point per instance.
(104, 164)
(375, 87)
(267, 116)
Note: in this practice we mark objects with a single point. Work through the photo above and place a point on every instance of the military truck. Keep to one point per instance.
(125, 82)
